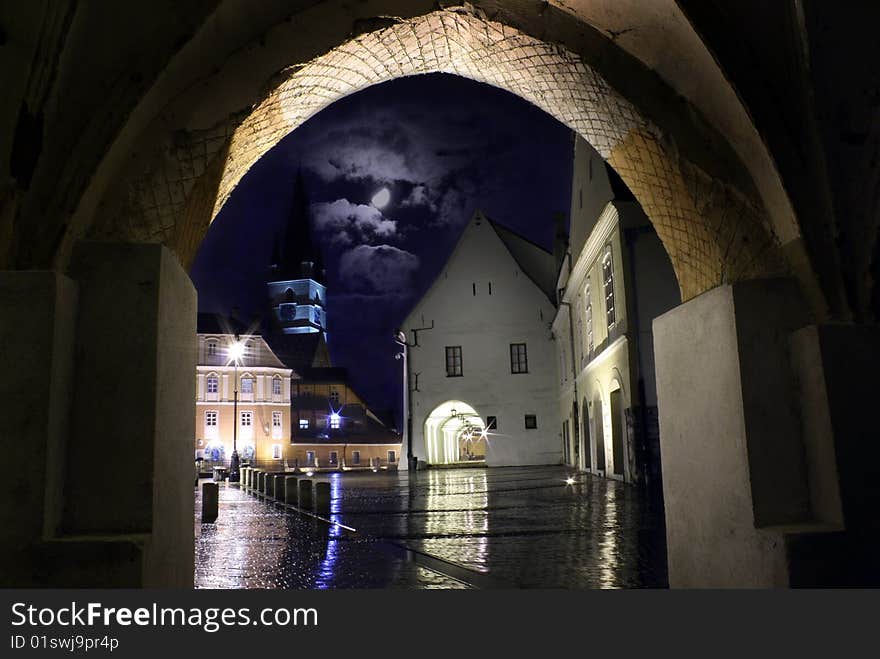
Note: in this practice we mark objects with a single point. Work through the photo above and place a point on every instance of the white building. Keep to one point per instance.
(483, 371)
(615, 279)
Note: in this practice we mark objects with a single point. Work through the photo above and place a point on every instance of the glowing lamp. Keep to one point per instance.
(236, 350)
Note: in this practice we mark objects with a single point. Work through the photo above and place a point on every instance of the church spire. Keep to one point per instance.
(295, 255)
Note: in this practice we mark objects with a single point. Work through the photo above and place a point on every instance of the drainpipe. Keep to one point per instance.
(572, 352)
(630, 237)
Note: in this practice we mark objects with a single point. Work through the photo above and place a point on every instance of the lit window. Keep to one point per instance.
(211, 418)
(355, 457)
(310, 458)
(276, 451)
(608, 280)
(304, 424)
(211, 347)
(392, 456)
(247, 385)
(588, 313)
(531, 421)
(334, 398)
(453, 361)
(519, 361)
(276, 425)
(335, 420)
(334, 457)
(276, 386)
(247, 419)
(213, 384)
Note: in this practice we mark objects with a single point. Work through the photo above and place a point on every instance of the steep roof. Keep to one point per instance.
(535, 261)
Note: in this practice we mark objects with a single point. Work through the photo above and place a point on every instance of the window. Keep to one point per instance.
(588, 315)
(276, 451)
(310, 458)
(276, 386)
(519, 361)
(213, 384)
(211, 418)
(304, 424)
(392, 456)
(211, 347)
(531, 421)
(334, 398)
(247, 419)
(355, 457)
(276, 425)
(491, 423)
(335, 420)
(334, 457)
(247, 385)
(608, 280)
(453, 361)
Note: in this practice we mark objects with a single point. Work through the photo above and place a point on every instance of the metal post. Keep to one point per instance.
(233, 463)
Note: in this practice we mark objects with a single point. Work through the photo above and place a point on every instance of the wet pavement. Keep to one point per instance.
(501, 527)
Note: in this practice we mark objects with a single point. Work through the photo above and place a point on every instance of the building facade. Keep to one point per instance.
(333, 428)
(482, 365)
(262, 414)
(615, 278)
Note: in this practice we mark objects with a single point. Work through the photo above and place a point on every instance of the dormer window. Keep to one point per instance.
(211, 348)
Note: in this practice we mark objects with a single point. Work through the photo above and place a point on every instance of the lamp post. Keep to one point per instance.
(236, 349)
(400, 339)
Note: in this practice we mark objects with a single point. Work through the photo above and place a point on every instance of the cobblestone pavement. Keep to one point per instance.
(520, 527)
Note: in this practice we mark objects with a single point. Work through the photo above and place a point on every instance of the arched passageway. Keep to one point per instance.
(455, 433)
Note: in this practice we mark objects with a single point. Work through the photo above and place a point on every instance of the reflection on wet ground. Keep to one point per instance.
(520, 527)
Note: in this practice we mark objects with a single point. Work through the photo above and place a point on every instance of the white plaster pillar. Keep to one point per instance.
(133, 422)
(731, 450)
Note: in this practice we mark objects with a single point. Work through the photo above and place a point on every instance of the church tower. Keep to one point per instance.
(297, 292)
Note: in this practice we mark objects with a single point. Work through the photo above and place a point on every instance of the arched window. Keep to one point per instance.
(608, 282)
(211, 347)
(588, 317)
(289, 296)
(247, 384)
(276, 386)
(213, 384)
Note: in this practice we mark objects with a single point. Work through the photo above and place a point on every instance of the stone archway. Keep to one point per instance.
(714, 231)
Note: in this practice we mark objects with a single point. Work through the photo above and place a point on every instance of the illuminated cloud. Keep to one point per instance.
(378, 270)
(345, 223)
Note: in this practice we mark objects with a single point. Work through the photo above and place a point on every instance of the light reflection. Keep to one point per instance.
(327, 569)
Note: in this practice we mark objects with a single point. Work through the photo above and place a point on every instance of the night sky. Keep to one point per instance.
(443, 146)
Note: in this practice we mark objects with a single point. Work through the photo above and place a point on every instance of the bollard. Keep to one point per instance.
(255, 481)
(291, 490)
(267, 484)
(261, 482)
(210, 501)
(305, 494)
(279, 487)
(322, 499)
(270, 486)
(244, 477)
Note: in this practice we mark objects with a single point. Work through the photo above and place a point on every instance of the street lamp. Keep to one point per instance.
(236, 350)
(400, 339)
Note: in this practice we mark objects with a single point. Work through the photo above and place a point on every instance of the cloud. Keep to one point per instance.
(346, 222)
(420, 196)
(381, 270)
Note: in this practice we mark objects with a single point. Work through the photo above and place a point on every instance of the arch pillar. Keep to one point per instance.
(100, 424)
(766, 464)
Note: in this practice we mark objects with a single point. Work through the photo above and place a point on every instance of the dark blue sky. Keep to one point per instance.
(443, 146)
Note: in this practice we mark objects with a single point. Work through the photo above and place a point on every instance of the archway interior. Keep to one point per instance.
(455, 432)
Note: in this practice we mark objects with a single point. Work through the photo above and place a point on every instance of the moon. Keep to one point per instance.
(381, 198)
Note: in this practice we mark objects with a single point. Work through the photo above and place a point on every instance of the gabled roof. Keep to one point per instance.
(535, 261)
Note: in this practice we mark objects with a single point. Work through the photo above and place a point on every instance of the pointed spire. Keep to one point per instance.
(295, 256)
